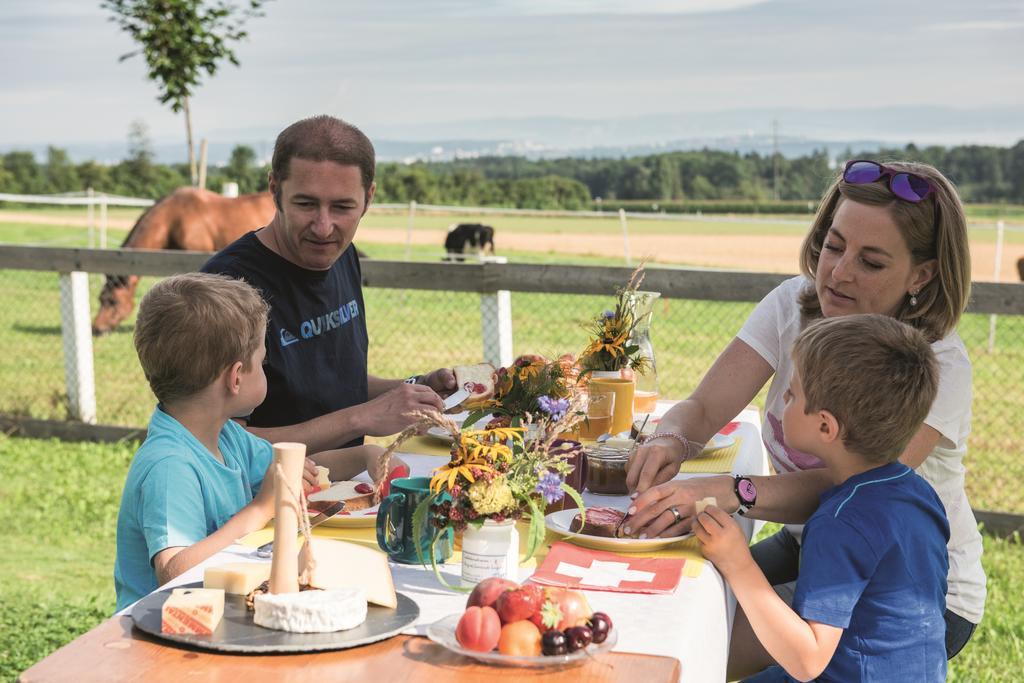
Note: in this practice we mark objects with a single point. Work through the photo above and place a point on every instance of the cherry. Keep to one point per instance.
(600, 624)
(554, 642)
(579, 637)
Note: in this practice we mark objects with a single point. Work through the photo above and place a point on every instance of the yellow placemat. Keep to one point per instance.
(715, 462)
(420, 445)
(688, 549)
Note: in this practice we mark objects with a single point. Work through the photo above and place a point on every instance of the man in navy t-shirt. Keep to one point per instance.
(870, 597)
(304, 264)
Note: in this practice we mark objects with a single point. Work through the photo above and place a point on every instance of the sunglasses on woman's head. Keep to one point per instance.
(909, 187)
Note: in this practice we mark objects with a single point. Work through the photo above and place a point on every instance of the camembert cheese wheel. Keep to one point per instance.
(193, 611)
(311, 611)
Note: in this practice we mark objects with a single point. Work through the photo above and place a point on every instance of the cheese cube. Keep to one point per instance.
(703, 503)
(322, 477)
(349, 565)
(236, 578)
(192, 610)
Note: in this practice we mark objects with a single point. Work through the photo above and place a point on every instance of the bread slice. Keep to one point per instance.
(354, 493)
(478, 380)
(600, 521)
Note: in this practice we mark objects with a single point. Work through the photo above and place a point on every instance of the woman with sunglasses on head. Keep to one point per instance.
(888, 239)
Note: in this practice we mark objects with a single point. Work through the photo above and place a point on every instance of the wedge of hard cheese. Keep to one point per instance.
(348, 565)
(192, 610)
(236, 578)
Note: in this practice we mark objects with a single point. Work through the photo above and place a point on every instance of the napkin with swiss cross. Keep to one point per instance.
(570, 566)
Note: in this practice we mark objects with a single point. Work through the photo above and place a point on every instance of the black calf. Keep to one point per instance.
(465, 238)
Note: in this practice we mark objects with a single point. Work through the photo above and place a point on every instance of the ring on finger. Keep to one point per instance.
(675, 513)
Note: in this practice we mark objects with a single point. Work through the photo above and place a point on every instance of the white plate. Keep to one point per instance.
(442, 632)
(366, 517)
(719, 441)
(560, 522)
(458, 418)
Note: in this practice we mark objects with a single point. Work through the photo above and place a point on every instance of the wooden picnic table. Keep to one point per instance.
(116, 651)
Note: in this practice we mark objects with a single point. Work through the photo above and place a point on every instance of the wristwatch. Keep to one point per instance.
(415, 379)
(746, 492)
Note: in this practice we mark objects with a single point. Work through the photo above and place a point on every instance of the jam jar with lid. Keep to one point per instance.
(606, 469)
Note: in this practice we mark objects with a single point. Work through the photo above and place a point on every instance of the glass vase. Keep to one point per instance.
(645, 396)
(492, 549)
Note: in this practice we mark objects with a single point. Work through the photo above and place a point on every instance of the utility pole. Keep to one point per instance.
(775, 159)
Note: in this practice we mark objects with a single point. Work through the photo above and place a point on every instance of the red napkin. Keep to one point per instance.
(570, 566)
(729, 428)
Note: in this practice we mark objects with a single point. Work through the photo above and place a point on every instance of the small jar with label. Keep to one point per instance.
(606, 470)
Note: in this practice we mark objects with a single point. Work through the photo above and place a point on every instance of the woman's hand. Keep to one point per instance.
(722, 541)
(652, 511)
(653, 464)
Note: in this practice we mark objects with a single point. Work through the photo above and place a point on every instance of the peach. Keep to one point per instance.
(486, 593)
(478, 629)
(519, 638)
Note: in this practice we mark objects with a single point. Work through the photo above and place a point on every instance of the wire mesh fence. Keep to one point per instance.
(413, 331)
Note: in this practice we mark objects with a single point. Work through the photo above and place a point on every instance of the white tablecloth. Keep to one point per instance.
(692, 624)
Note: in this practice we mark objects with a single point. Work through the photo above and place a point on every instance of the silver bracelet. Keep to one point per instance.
(691, 449)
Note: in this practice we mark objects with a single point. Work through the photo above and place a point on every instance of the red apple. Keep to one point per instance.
(486, 593)
(520, 604)
(573, 605)
(479, 629)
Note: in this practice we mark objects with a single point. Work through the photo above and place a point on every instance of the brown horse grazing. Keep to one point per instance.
(190, 219)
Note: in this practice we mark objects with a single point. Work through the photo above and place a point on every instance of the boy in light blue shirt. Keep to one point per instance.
(197, 482)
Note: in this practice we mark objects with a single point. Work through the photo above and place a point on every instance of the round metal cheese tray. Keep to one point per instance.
(237, 632)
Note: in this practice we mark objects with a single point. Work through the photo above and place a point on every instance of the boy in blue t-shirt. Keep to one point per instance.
(196, 483)
(870, 597)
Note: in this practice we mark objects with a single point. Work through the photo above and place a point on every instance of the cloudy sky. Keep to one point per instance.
(397, 65)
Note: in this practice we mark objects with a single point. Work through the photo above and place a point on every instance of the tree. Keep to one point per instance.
(242, 169)
(180, 39)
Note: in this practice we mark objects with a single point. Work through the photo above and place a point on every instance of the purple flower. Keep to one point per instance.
(608, 314)
(550, 486)
(554, 407)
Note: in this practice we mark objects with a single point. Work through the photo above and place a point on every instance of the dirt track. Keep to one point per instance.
(773, 253)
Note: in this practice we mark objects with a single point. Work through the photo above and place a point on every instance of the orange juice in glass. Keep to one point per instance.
(644, 401)
(599, 416)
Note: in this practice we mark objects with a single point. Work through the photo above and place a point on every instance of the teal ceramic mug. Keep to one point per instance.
(395, 533)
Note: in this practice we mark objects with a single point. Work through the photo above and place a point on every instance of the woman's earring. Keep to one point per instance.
(913, 298)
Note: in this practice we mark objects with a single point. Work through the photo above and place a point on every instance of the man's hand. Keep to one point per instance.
(441, 380)
(390, 412)
(722, 541)
(653, 464)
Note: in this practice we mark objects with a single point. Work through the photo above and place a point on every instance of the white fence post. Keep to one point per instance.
(1000, 235)
(76, 334)
(408, 229)
(92, 218)
(625, 236)
(496, 322)
(103, 221)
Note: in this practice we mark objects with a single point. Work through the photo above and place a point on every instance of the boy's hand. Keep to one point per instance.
(721, 540)
(309, 480)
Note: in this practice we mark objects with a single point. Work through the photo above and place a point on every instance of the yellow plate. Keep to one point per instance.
(559, 522)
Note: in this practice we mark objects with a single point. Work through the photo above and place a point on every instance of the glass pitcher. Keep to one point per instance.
(645, 397)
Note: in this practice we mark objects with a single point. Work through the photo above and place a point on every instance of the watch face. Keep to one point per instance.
(746, 490)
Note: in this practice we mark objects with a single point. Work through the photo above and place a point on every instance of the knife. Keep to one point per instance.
(455, 399)
(325, 509)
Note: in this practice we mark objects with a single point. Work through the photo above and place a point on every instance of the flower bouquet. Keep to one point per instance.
(612, 347)
(522, 388)
(497, 475)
